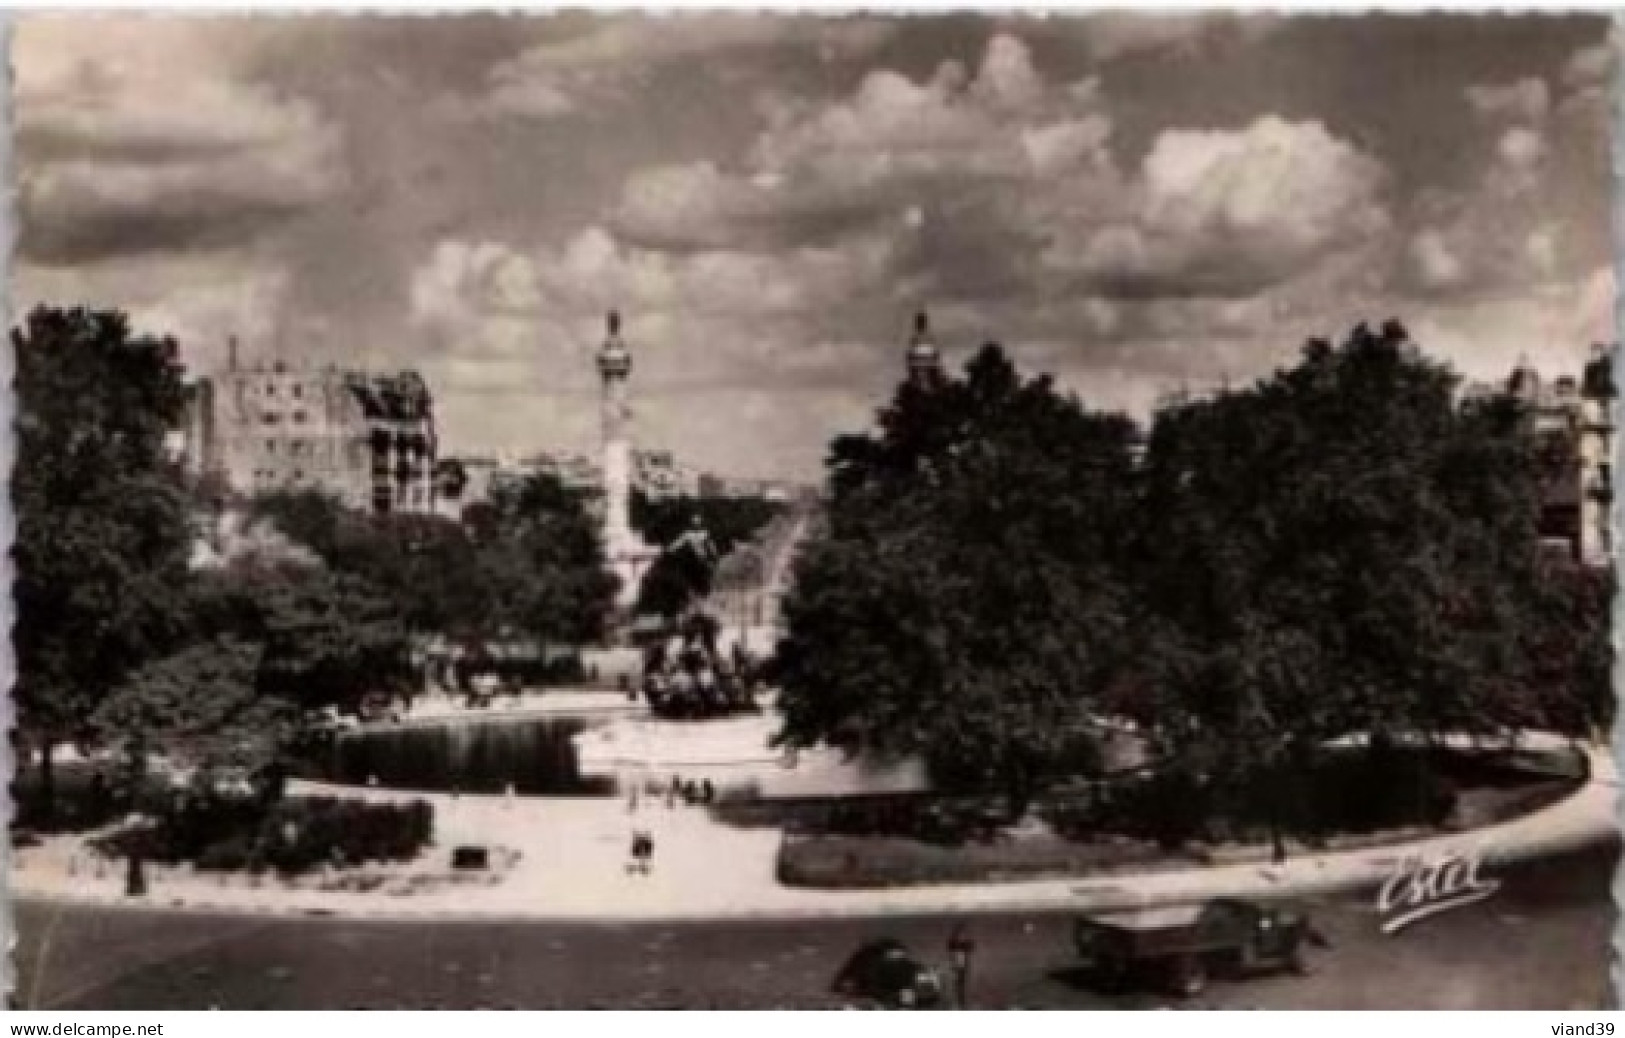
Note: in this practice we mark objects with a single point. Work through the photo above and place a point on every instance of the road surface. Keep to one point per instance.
(1541, 942)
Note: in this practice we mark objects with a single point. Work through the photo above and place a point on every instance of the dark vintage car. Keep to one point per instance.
(884, 974)
(1180, 946)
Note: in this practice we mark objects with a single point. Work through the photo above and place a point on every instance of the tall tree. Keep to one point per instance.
(1339, 550)
(200, 712)
(103, 532)
(537, 538)
(967, 601)
(426, 565)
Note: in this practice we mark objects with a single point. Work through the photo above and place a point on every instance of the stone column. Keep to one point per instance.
(620, 545)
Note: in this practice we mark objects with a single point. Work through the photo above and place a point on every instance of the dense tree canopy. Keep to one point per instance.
(200, 710)
(968, 601)
(425, 565)
(325, 638)
(537, 537)
(1346, 548)
(525, 562)
(103, 534)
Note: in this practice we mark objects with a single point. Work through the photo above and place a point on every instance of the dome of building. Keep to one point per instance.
(923, 355)
(614, 359)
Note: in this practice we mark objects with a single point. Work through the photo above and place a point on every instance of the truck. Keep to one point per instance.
(1182, 945)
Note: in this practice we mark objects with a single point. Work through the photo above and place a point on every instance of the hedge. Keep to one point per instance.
(292, 837)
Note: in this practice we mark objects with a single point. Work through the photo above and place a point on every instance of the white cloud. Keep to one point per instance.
(200, 301)
(1435, 264)
(1594, 65)
(1596, 310)
(1110, 34)
(601, 63)
(1232, 211)
(821, 170)
(1511, 230)
(127, 145)
(1526, 100)
(1521, 150)
(1123, 242)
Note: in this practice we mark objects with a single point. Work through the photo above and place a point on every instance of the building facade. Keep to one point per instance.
(658, 475)
(1573, 421)
(1599, 421)
(367, 439)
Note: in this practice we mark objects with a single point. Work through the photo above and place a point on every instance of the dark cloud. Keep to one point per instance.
(68, 231)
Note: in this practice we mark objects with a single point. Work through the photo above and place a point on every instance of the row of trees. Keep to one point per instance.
(1342, 548)
(526, 561)
(129, 637)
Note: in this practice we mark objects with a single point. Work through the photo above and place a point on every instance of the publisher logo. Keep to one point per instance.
(1424, 885)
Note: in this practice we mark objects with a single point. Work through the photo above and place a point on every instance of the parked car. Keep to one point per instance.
(1182, 945)
(884, 974)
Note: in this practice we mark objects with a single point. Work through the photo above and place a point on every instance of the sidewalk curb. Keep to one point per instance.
(1077, 898)
(1579, 824)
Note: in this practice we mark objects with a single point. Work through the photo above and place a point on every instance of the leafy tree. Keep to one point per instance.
(102, 526)
(525, 561)
(539, 546)
(967, 600)
(1567, 686)
(200, 712)
(1338, 550)
(324, 638)
(426, 565)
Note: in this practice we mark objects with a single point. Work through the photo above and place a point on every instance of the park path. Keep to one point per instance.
(573, 853)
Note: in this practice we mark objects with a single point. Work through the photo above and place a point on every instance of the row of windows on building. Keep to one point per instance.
(384, 499)
(414, 496)
(307, 448)
(295, 448)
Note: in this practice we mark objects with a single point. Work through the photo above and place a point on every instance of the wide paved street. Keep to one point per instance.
(1540, 943)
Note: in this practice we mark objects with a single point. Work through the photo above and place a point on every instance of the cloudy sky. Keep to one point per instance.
(1134, 204)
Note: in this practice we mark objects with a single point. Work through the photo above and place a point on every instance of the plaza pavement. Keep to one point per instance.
(572, 855)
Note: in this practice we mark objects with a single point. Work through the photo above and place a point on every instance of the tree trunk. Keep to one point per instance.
(47, 782)
(1277, 842)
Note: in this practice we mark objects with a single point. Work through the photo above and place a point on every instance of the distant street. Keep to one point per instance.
(1540, 943)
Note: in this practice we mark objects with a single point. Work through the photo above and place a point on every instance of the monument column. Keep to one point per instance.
(628, 557)
(615, 366)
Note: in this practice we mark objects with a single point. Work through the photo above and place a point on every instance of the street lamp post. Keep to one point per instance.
(135, 877)
(960, 948)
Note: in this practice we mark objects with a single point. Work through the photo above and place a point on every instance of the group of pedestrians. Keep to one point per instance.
(688, 791)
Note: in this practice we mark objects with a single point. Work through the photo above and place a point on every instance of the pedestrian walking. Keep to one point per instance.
(634, 861)
(960, 949)
(643, 847)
